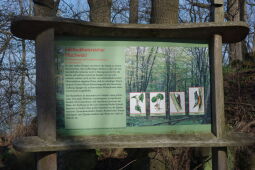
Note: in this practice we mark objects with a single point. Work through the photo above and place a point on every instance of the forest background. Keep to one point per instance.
(17, 75)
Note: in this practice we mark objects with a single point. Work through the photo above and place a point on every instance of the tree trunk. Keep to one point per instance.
(168, 81)
(234, 14)
(45, 7)
(253, 47)
(164, 11)
(243, 11)
(137, 78)
(22, 83)
(133, 12)
(100, 11)
(23, 74)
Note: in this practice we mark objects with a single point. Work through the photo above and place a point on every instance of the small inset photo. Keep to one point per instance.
(157, 104)
(177, 103)
(137, 104)
(196, 101)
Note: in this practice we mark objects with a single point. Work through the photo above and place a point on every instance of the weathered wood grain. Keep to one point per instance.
(217, 11)
(46, 96)
(46, 160)
(230, 31)
(45, 85)
(36, 144)
(219, 158)
(217, 3)
(218, 117)
(219, 154)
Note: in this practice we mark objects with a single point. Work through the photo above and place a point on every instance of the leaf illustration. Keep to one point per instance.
(133, 97)
(176, 101)
(141, 97)
(138, 108)
(199, 102)
(160, 96)
(196, 99)
(154, 99)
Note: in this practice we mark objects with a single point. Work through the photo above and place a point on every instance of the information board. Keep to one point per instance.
(132, 87)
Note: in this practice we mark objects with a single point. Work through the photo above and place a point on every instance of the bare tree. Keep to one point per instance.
(16, 74)
(236, 11)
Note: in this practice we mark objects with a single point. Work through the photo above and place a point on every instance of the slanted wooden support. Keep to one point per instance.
(46, 96)
(219, 155)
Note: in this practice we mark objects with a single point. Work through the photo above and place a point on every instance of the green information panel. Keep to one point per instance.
(132, 87)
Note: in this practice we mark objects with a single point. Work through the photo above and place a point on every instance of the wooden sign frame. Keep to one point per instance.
(44, 31)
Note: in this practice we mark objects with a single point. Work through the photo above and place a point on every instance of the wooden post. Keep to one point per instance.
(46, 96)
(219, 155)
(217, 86)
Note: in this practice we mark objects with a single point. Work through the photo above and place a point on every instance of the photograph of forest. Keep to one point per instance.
(168, 69)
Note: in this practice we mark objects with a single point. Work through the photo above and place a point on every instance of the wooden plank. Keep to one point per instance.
(36, 144)
(46, 96)
(188, 31)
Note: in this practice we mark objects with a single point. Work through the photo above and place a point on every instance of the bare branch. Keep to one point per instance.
(251, 4)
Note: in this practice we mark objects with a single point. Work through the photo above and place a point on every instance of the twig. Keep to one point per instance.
(5, 32)
(208, 159)
(248, 125)
(246, 104)
(5, 119)
(127, 164)
(251, 4)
